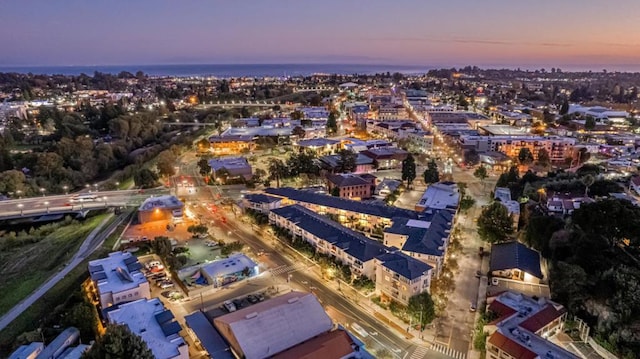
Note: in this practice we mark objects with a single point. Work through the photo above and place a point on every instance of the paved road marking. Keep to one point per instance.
(419, 353)
(288, 268)
(441, 348)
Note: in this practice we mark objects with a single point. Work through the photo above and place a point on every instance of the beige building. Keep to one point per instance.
(160, 208)
(399, 277)
(118, 279)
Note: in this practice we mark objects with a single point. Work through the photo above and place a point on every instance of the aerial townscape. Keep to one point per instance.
(305, 210)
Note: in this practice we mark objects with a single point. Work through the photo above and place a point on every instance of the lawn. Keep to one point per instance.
(30, 258)
(45, 312)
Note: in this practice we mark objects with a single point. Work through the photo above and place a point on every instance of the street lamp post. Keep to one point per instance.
(46, 203)
(19, 193)
(42, 190)
(95, 185)
(20, 205)
(66, 189)
(105, 200)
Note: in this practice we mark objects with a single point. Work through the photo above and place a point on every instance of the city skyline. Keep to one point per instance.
(492, 33)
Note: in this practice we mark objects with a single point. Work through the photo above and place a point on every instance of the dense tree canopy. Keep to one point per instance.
(495, 224)
(409, 169)
(431, 174)
(119, 342)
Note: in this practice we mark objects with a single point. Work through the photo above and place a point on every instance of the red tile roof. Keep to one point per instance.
(542, 318)
(511, 347)
(335, 344)
(503, 311)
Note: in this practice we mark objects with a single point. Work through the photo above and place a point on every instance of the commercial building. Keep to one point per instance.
(28, 351)
(160, 208)
(273, 326)
(558, 148)
(392, 112)
(231, 145)
(600, 113)
(205, 336)
(387, 158)
(332, 164)
(261, 202)
(513, 260)
(148, 319)
(117, 279)
(318, 145)
(62, 346)
(351, 186)
(422, 140)
(225, 271)
(336, 344)
(229, 168)
(399, 277)
(525, 328)
(439, 195)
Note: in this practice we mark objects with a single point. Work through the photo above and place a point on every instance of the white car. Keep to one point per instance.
(229, 306)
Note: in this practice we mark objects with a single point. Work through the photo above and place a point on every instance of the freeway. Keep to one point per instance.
(63, 203)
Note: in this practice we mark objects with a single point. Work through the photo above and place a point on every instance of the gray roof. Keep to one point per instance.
(261, 198)
(351, 242)
(209, 337)
(377, 210)
(515, 255)
(404, 265)
(333, 160)
(342, 180)
(422, 240)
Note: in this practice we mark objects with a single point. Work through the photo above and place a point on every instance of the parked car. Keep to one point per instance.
(230, 307)
(237, 303)
(166, 284)
(252, 299)
(260, 297)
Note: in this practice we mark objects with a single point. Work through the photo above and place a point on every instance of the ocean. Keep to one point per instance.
(230, 70)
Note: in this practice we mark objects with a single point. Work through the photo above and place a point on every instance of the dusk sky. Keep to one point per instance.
(402, 32)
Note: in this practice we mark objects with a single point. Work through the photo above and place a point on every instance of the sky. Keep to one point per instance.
(515, 33)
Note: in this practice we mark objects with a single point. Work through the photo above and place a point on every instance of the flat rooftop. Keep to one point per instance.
(149, 319)
(167, 201)
(118, 272)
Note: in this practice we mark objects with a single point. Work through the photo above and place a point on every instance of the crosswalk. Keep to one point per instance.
(419, 353)
(441, 348)
(288, 268)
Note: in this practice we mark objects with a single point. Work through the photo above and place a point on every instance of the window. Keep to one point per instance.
(130, 295)
(386, 277)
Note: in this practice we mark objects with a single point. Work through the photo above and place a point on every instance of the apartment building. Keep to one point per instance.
(392, 112)
(525, 327)
(399, 277)
(352, 186)
(422, 140)
(559, 148)
(118, 279)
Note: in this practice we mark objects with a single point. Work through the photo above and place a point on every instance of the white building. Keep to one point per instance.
(270, 327)
(559, 148)
(117, 279)
(148, 319)
(600, 113)
(439, 195)
(422, 140)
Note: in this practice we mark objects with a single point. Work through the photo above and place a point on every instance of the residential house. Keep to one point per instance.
(387, 158)
(439, 195)
(513, 260)
(260, 202)
(400, 277)
(332, 164)
(231, 168)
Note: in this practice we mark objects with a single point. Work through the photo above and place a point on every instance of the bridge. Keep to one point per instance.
(53, 207)
(314, 89)
(231, 104)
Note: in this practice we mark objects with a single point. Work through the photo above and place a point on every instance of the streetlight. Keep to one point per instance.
(95, 185)
(105, 200)
(20, 205)
(66, 189)
(42, 190)
(19, 193)
(46, 203)
(117, 185)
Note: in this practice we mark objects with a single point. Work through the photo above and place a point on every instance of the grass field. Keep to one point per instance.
(28, 263)
(45, 313)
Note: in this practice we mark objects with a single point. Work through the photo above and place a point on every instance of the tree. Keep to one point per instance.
(12, 181)
(277, 170)
(259, 175)
(587, 180)
(298, 131)
(564, 109)
(197, 229)
(166, 163)
(471, 157)
(431, 174)
(421, 308)
(495, 224)
(481, 174)
(610, 219)
(409, 169)
(145, 178)
(335, 191)
(568, 285)
(544, 159)
(466, 203)
(203, 145)
(589, 123)
(346, 161)
(119, 342)
(332, 123)
(525, 157)
(82, 316)
(161, 246)
(203, 167)
(297, 115)
(539, 230)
